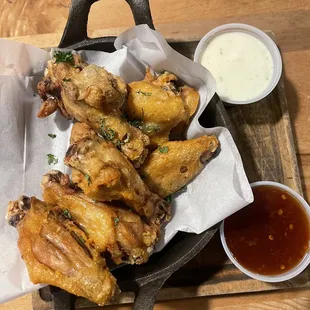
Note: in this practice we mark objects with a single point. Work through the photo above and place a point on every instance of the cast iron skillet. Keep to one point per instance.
(145, 280)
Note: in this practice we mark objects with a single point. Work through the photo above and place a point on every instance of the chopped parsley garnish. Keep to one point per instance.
(144, 93)
(81, 239)
(138, 123)
(119, 143)
(168, 198)
(151, 128)
(52, 159)
(116, 220)
(125, 140)
(87, 177)
(66, 80)
(105, 132)
(52, 135)
(108, 134)
(67, 214)
(164, 149)
(63, 57)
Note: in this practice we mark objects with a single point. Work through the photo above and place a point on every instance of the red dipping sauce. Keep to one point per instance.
(271, 235)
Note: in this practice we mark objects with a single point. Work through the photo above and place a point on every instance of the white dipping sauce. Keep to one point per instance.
(240, 63)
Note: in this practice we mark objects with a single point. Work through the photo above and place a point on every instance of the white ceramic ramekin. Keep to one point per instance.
(263, 37)
(272, 278)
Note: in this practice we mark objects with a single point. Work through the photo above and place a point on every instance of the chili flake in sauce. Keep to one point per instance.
(271, 235)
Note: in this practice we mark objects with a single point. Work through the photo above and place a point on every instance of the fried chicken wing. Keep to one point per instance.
(106, 175)
(114, 229)
(81, 131)
(95, 85)
(92, 95)
(57, 252)
(176, 163)
(160, 106)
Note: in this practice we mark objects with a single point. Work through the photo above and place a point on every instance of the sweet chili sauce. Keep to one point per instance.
(271, 235)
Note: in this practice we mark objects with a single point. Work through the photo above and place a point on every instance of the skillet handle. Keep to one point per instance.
(147, 293)
(75, 32)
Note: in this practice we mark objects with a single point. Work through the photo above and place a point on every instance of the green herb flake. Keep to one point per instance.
(168, 199)
(138, 123)
(116, 220)
(125, 140)
(119, 144)
(109, 134)
(87, 177)
(52, 135)
(152, 128)
(164, 149)
(52, 159)
(63, 57)
(66, 80)
(105, 132)
(144, 93)
(67, 214)
(81, 239)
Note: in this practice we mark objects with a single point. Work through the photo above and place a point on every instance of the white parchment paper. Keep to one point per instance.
(218, 191)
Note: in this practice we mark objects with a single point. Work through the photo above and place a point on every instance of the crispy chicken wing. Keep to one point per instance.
(114, 229)
(58, 252)
(176, 163)
(106, 175)
(92, 95)
(157, 106)
(81, 131)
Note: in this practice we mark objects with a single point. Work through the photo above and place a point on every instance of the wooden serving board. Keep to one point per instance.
(265, 141)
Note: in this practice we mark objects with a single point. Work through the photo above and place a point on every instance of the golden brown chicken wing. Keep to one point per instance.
(156, 105)
(81, 131)
(176, 163)
(106, 175)
(92, 95)
(95, 85)
(114, 229)
(58, 252)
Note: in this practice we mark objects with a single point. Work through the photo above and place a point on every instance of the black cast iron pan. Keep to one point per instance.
(145, 280)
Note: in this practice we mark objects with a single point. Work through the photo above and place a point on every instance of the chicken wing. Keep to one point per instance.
(106, 175)
(176, 163)
(114, 229)
(57, 252)
(81, 131)
(92, 95)
(156, 105)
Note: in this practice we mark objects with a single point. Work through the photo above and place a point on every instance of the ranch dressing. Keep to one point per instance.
(240, 63)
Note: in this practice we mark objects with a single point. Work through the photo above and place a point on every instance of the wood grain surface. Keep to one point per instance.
(41, 22)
